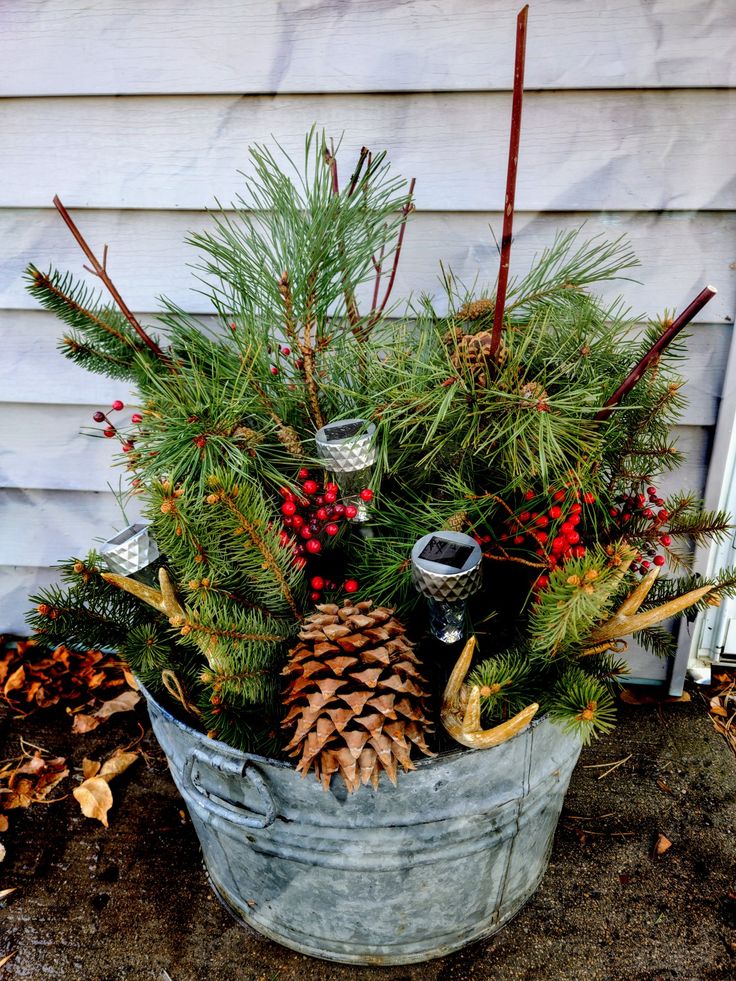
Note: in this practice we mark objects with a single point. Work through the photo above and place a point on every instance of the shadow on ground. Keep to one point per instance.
(132, 902)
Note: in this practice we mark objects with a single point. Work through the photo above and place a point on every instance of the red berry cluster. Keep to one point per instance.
(554, 533)
(111, 430)
(643, 517)
(284, 351)
(313, 518)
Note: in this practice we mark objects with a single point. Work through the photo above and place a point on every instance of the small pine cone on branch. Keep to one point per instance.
(355, 697)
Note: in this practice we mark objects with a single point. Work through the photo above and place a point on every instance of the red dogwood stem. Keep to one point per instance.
(656, 349)
(508, 211)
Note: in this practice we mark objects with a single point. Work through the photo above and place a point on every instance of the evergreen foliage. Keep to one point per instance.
(508, 448)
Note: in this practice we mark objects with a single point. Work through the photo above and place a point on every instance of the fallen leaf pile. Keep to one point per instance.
(33, 677)
(28, 779)
(94, 794)
(722, 706)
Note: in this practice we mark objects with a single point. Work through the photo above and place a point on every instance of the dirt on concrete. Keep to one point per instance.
(132, 901)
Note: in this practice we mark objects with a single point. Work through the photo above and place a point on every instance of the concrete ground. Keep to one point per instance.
(132, 902)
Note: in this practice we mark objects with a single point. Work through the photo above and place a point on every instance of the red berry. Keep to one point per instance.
(576, 508)
(300, 562)
(305, 532)
(332, 528)
(288, 508)
(542, 582)
(351, 586)
(310, 487)
(555, 511)
(646, 564)
(627, 516)
(659, 501)
(338, 510)
(558, 544)
(118, 405)
(286, 351)
(666, 540)
(519, 540)
(559, 496)
(589, 498)
(127, 447)
(574, 519)
(659, 560)
(299, 363)
(663, 515)
(330, 497)
(317, 582)
(322, 514)
(297, 521)
(573, 538)
(332, 488)
(613, 512)
(552, 559)
(288, 522)
(303, 473)
(652, 491)
(579, 551)
(314, 546)
(350, 511)
(541, 536)
(366, 494)
(648, 513)
(542, 521)
(566, 528)
(316, 597)
(99, 417)
(109, 432)
(136, 417)
(233, 327)
(634, 567)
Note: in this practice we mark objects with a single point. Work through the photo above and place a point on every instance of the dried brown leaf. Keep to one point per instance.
(118, 763)
(95, 798)
(3, 823)
(122, 703)
(661, 845)
(90, 768)
(15, 681)
(84, 723)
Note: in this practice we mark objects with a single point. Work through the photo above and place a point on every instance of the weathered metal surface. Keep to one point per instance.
(394, 876)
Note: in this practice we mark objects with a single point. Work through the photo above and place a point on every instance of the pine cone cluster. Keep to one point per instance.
(355, 696)
(473, 352)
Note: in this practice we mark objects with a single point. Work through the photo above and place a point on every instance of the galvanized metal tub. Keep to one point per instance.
(394, 876)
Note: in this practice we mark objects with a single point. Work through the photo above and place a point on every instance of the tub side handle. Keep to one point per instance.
(229, 810)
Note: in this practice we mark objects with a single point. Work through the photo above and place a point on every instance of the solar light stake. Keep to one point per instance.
(446, 569)
(347, 449)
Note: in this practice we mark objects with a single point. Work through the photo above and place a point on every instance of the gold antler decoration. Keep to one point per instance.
(460, 712)
(628, 620)
(163, 600)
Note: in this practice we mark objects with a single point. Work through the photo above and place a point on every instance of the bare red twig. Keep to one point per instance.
(99, 269)
(364, 154)
(405, 211)
(656, 349)
(508, 210)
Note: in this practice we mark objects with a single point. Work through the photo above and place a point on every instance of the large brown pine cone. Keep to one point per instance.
(355, 695)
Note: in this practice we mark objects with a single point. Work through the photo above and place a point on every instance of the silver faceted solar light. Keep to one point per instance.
(446, 569)
(348, 450)
(131, 552)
